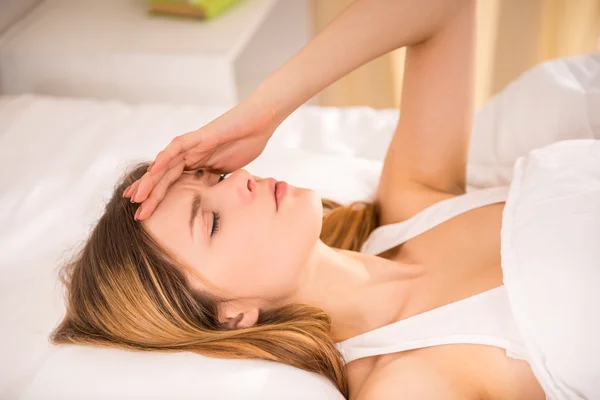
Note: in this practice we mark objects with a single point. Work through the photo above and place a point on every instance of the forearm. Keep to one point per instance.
(366, 30)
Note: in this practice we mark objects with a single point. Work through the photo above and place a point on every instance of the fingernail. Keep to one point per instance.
(126, 191)
(150, 166)
(137, 213)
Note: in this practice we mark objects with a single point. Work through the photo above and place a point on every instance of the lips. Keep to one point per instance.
(281, 188)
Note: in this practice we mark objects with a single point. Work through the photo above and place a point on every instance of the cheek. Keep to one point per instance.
(293, 238)
(263, 264)
(239, 257)
(263, 255)
(303, 220)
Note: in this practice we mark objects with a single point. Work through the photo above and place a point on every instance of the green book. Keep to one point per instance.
(203, 9)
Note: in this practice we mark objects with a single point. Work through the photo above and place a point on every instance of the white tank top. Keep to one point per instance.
(485, 318)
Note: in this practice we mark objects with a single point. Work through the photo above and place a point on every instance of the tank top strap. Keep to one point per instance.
(389, 236)
(484, 319)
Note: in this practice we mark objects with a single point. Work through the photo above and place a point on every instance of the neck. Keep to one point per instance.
(360, 292)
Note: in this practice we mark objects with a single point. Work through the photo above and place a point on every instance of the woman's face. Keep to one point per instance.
(240, 241)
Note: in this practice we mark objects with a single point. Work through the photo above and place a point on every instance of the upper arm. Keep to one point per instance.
(430, 145)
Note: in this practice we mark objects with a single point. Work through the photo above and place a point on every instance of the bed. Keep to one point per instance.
(60, 157)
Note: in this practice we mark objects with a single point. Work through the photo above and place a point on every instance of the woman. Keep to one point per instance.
(234, 267)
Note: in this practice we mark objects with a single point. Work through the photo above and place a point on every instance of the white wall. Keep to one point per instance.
(286, 30)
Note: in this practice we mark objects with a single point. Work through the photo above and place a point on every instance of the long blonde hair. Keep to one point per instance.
(124, 290)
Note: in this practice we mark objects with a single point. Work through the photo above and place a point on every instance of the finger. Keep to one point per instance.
(131, 189)
(127, 190)
(178, 145)
(158, 193)
(149, 180)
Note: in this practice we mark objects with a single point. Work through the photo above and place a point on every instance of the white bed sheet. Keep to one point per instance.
(59, 159)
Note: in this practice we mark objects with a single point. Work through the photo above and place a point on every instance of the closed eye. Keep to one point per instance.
(216, 224)
(222, 177)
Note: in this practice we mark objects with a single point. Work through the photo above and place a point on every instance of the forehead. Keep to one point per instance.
(169, 221)
(180, 193)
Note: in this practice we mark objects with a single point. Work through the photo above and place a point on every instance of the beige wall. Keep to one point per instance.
(513, 35)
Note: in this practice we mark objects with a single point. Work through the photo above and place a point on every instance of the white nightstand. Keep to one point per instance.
(115, 49)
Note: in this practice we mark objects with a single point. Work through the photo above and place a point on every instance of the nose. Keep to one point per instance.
(245, 180)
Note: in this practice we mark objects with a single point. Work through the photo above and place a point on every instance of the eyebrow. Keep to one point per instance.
(196, 202)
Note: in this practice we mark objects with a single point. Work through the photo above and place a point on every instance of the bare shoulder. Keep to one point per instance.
(417, 379)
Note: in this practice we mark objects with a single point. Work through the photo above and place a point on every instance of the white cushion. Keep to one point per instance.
(551, 264)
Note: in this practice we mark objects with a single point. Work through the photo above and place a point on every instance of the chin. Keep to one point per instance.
(303, 219)
(307, 198)
(309, 207)
(317, 205)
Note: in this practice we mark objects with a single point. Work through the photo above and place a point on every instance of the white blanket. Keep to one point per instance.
(551, 265)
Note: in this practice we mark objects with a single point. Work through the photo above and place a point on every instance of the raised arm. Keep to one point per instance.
(365, 30)
(427, 158)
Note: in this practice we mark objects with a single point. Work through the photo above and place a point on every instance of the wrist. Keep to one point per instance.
(260, 107)
(288, 88)
(268, 97)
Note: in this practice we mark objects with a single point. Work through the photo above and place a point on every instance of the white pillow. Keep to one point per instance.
(556, 100)
(551, 264)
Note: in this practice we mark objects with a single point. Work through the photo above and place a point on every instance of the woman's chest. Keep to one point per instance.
(469, 371)
(461, 258)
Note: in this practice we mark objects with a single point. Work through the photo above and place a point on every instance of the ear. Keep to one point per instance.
(233, 316)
